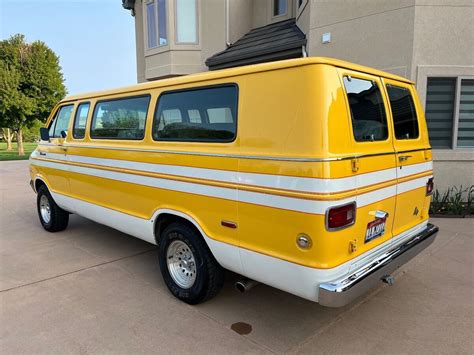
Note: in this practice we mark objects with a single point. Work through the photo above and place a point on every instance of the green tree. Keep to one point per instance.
(31, 83)
(8, 136)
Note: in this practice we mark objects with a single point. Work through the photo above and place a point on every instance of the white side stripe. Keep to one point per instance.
(300, 184)
(408, 170)
(289, 203)
(412, 184)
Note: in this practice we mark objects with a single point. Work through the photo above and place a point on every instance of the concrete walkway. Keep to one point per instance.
(91, 289)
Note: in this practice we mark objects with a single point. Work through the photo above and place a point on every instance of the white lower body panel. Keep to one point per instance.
(135, 226)
(290, 277)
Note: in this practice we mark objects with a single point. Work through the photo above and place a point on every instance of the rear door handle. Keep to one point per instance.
(42, 153)
(379, 214)
(403, 158)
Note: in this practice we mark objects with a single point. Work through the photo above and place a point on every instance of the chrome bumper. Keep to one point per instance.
(340, 292)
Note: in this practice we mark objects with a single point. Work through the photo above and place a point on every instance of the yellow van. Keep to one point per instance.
(311, 175)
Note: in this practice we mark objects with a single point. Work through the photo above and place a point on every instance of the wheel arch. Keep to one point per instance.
(40, 181)
(164, 217)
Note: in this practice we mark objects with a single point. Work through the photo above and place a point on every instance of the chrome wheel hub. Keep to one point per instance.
(181, 264)
(45, 209)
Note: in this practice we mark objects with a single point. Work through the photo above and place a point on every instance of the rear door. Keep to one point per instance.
(374, 162)
(414, 166)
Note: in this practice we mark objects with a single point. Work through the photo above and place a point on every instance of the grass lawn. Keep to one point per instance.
(13, 154)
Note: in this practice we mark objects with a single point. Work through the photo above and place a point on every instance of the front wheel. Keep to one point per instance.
(52, 217)
(189, 269)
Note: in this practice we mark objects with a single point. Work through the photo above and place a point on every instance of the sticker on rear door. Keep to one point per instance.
(375, 229)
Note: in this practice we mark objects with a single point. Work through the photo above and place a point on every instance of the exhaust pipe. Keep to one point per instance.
(245, 285)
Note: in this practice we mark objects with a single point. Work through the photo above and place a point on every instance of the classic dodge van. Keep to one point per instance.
(311, 175)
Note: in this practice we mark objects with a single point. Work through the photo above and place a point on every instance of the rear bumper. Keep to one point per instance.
(343, 291)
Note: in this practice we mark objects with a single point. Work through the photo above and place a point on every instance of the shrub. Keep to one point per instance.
(454, 201)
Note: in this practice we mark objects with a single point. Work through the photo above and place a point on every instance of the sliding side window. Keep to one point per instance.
(204, 115)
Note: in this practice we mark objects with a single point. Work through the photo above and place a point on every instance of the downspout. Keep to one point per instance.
(227, 25)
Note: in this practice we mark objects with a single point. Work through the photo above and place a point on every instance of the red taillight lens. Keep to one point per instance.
(342, 216)
(429, 186)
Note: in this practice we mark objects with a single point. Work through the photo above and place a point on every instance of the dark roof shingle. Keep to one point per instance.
(276, 41)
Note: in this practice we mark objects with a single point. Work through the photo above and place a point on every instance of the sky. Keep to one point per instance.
(94, 39)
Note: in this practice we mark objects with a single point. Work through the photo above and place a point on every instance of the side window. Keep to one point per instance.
(368, 116)
(61, 121)
(403, 112)
(204, 114)
(79, 129)
(120, 118)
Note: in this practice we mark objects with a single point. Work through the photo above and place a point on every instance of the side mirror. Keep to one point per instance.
(63, 134)
(44, 134)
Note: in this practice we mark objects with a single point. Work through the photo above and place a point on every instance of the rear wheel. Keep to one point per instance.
(52, 217)
(189, 269)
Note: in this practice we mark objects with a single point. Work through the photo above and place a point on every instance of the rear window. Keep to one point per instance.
(204, 115)
(120, 118)
(368, 116)
(403, 112)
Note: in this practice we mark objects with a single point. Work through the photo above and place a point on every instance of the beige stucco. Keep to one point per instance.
(241, 19)
(139, 42)
(443, 42)
(413, 38)
(380, 37)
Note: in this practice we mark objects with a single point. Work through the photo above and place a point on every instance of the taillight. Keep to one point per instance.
(429, 186)
(341, 216)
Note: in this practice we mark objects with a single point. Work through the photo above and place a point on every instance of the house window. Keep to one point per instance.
(186, 21)
(156, 23)
(279, 7)
(450, 112)
(466, 114)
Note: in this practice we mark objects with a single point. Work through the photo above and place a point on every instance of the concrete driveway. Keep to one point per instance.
(91, 289)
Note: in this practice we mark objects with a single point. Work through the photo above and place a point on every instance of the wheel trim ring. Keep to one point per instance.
(45, 209)
(181, 264)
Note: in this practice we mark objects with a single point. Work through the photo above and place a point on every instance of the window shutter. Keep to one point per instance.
(466, 114)
(440, 96)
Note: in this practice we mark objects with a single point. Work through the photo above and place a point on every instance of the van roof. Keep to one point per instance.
(237, 71)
